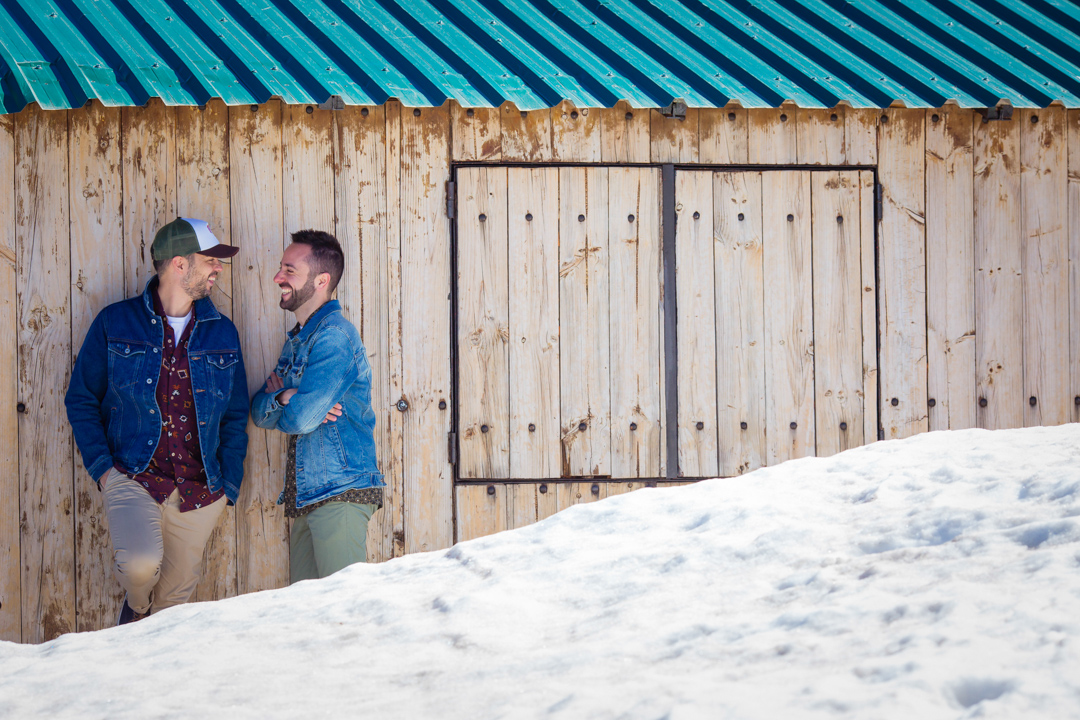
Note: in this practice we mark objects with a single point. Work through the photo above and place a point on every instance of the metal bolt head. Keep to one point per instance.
(700, 425)
(21, 407)
(364, 112)
(834, 117)
(528, 217)
(843, 426)
(783, 117)
(741, 217)
(254, 108)
(573, 114)
(731, 116)
(697, 215)
(794, 425)
(791, 218)
(1076, 401)
(470, 112)
(1034, 119)
(532, 427)
(310, 110)
(633, 427)
(935, 117)
(894, 402)
(884, 118)
(581, 218)
(582, 427)
(982, 402)
(630, 218)
(839, 219)
(442, 404)
(416, 112)
(595, 489)
(1032, 401)
(743, 425)
(484, 428)
(629, 116)
(491, 489)
(483, 217)
(931, 402)
(543, 488)
(402, 405)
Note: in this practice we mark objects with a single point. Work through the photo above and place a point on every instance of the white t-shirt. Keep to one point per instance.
(178, 324)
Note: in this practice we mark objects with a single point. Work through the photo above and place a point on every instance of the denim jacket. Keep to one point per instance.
(326, 362)
(112, 399)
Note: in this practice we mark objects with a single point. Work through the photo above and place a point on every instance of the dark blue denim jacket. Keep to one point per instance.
(326, 362)
(112, 399)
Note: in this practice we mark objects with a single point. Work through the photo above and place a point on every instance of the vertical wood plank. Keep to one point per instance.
(10, 564)
(999, 300)
(521, 505)
(585, 383)
(772, 137)
(425, 331)
(789, 342)
(740, 322)
(395, 467)
(149, 159)
(307, 150)
(674, 140)
(483, 324)
(43, 269)
(547, 500)
(479, 511)
(724, 136)
(820, 136)
(1074, 259)
(476, 133)
(526, 135)
(624, 134)
(361, 214)
(695, 284)
(950, 269)
(838, 351)
(636, 383)
(575, 133)
(902, 237)
(869, 307)
(1044, 215)
(255, 211)
(860, 135)
(202, 191)
(534, 322)
(97, 279)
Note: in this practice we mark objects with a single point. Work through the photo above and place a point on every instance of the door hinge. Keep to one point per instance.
(879, 200)
(451, 447)
(451, 198)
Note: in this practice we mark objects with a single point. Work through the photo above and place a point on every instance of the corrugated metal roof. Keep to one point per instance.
(536, 53)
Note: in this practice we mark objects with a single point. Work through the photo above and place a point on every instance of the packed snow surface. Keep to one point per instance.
(935, 577)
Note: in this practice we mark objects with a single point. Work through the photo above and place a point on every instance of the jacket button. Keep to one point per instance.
(151, 412)
(149, 442)
(149, 381)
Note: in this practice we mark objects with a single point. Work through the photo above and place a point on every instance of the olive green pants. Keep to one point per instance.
(327, 539)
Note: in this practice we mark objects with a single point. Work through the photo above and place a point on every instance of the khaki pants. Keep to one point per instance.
(157, 550)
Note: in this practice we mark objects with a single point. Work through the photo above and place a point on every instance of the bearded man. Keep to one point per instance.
(158, 408)
(320, 396)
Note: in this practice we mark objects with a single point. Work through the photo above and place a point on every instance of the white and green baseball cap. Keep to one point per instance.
(184, 236)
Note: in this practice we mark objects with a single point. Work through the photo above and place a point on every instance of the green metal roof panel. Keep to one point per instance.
(536, 53)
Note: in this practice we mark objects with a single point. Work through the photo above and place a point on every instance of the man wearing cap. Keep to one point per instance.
(158, 408)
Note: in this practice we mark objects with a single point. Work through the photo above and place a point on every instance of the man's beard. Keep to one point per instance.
(298, 296)
(196, 288)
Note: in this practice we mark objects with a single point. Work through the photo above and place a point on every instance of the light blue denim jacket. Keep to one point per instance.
(326, 362)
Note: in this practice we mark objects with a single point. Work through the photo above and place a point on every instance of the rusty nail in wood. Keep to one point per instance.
(783, 117)
(254, 108)
(573, 114)
(697, 215)
(630, 218)
(633, 427)
(843, 426)
(402, 405)
(416, 112)
(629, 116)
(741, 217)
(935, 117)
(931, 402)
(581, 218)
(484, 428)
(483, 217)
(884, 118)
(1032, 401)
(310, 109)
(794, 425)
(791, 218)
(731, 117)
(982, 402)
(364, 112)
(21, 407)
(743, 425)
(442, 404)
(582, 427)
(528, 217)
(491, 489)
(700, 426)
(1034, 119)
(532, 427)
(834, 117)
(894, 402)
(470, 112)
(839, 219)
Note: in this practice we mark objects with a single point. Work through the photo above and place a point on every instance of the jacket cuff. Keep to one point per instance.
(99, 467)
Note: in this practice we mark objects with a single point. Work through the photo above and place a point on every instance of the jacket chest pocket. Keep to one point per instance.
(126, 364)
(222, 367)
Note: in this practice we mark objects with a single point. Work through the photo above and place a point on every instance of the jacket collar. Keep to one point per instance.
(204, 308)
(328, 308)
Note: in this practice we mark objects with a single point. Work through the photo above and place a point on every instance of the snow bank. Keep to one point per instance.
(936, 577)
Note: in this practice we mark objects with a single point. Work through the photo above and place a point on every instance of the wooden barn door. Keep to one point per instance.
(776, 317)
(558, 323)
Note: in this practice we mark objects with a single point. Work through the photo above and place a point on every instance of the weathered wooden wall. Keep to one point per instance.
(976, 307)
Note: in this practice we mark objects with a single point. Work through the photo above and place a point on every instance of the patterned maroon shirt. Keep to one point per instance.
(177, 462)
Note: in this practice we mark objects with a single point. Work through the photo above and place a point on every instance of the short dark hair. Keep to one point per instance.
(326, 253)
(160, 265)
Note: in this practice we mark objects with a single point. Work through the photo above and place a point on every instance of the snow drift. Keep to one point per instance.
(935, 577)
